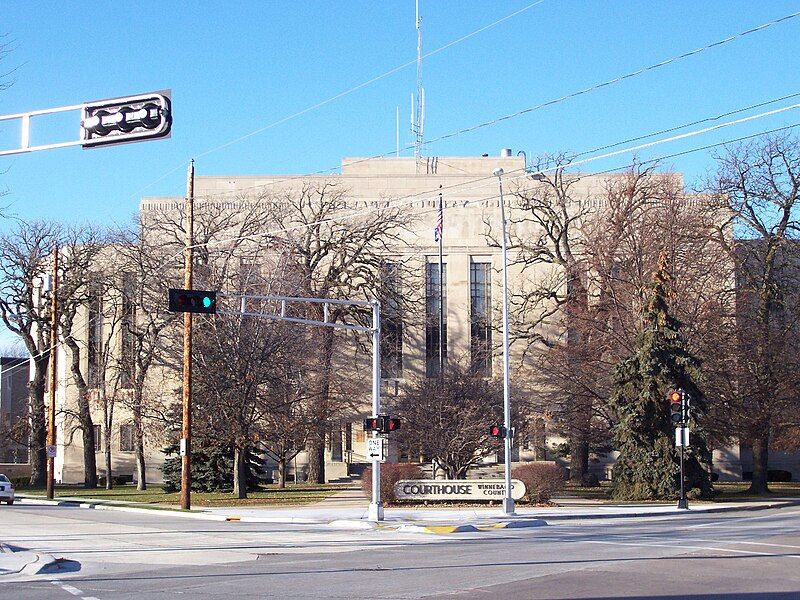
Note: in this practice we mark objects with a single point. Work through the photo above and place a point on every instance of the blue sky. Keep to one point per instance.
(235, 67)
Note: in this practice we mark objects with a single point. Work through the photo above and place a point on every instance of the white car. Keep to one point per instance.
(6, 490)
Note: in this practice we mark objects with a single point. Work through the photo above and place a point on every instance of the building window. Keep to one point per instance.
(391, 323)
(126, 437)
(433, 308)
(127, 337)
(480, 287)
(94, 340)
(97, 439)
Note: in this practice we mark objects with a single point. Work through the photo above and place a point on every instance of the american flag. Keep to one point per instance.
(437, 232)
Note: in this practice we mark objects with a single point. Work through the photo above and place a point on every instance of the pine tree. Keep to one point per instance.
(648, 466)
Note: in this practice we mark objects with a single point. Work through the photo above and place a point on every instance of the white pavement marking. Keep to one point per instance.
(679, 540)
(687, 547)
(728, 522)
(72, 590)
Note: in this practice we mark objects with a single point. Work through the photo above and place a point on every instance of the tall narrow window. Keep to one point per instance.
(480, 287)
(433, 309)
(127, 335)
(97, 439)
(126, 437)
(391, 323)
(94, 341)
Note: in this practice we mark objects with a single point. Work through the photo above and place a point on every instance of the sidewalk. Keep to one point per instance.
(348, 509)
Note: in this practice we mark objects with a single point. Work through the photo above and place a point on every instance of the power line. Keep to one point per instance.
(525, 174)
(344, 93)
(562, 98)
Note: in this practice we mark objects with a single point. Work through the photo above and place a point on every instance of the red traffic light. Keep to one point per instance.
(497, 431)
(381, 424)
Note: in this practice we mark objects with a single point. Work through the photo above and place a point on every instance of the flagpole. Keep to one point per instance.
(441, 288)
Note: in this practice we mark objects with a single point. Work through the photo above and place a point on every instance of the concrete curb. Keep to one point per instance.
(23, 562)
(448, 522)
(676, 511)
(436, 528)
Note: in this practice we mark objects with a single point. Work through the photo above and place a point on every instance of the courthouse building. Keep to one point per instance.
(472, 290)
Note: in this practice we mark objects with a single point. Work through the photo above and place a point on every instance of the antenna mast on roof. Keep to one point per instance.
(418, 108)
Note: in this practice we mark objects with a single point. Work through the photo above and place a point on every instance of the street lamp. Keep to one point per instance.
(508, 501)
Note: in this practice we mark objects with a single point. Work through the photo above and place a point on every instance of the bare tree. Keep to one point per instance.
(81, 248)
(758, 184)
(142, 285)
(446, 419)
(25, 256)
(338, 251)
(590, 253)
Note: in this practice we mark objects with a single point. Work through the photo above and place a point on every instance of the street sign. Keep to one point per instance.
(51, 451)
(457, 489)
(681, 436)
(375, 449)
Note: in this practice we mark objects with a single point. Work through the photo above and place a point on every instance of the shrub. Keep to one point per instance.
(390, 474)
(541, 480)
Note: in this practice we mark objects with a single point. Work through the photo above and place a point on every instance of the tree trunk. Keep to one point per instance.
(107, 421)
(138, 438)
(282, 472)
(315, 448)
(578, 458)
(84, 415)
(38, 423)
(760, 461)
(240, 472)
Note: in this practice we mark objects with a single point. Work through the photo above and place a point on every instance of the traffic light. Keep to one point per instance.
(193, 301)
(497, 431)
(381, 424)
(126, 119)
(676, 409)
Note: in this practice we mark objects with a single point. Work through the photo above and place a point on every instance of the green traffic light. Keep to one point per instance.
(206, 302)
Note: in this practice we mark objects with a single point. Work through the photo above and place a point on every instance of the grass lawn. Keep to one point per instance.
(737, 491)
(726, 492)
(294, 494)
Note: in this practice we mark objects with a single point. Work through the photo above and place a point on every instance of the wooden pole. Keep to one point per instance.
(186, 429)
(51, 412)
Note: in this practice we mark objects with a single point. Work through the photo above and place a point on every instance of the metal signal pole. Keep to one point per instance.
(186, 428)
(51, 412)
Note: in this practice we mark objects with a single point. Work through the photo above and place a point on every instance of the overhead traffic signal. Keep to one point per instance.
(193, 301)
(497, 431)
(126, 119)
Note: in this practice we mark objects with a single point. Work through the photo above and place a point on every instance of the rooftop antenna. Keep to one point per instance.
(418, 108)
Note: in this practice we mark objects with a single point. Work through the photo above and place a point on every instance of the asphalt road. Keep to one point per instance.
(108, 554)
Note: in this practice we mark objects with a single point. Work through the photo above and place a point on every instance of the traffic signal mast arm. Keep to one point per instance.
(111, 121)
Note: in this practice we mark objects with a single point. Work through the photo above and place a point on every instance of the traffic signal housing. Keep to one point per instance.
(677, 411)
(497, 431)
(382, 424)
(126, 119)
(193, 301)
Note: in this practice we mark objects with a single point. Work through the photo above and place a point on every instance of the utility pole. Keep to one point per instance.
(440, 226)
(186, 428)
(51, 412)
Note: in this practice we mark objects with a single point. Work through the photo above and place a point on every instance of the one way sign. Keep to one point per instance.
(375, 449)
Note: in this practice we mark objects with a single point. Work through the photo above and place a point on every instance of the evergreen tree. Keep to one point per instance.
(648, 466)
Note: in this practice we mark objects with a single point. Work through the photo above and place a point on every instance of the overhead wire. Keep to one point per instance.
(344, 93)
(525, 174)
(519, 113)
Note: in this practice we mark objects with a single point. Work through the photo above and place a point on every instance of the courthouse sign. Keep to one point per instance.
(456, 489)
